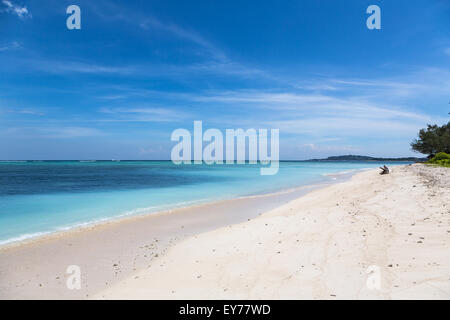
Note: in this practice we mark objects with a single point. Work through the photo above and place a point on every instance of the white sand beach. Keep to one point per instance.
(327, 244)
(324, 245)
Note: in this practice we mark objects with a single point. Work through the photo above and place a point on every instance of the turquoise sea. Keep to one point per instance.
(38, 197)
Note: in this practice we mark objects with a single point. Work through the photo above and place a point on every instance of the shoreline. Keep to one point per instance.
(315, 242)
(373, 237)
(61, 231)
(124, 239)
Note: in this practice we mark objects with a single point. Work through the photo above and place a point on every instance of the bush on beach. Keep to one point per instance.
(441, 159)
(442, 156)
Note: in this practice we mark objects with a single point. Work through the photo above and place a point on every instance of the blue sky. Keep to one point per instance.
(137, 70)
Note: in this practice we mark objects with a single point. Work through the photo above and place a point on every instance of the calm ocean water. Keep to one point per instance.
(46, 196)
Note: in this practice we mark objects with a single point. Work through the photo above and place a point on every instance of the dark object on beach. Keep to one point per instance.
(384, 170)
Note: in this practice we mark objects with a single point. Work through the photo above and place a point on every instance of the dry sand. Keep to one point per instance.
(328, 244)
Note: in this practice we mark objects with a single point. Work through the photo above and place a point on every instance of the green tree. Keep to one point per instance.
(432, 140)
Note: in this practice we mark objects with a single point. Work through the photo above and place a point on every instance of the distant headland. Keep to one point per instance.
(367, 158)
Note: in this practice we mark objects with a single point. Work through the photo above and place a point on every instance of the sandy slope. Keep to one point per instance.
(327, 244)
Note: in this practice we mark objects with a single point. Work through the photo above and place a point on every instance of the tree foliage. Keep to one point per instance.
(432, 140)
(441, 159)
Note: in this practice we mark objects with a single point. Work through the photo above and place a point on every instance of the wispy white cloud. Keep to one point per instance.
(80, 67)
(354, 127)
(142, 114)
(253, 96)
(310, 104)
(13, 45)
(318, 87)
(418, 82)
(121, 92)
(108, 11)
(114, 96)
(72, 132)
(11, 7)
(26, 111)
(173, 72)
(214, 58)
(314, 117)
(232, 69)
(378, 83)
(185, 34)
(53, 132)
(382, 108)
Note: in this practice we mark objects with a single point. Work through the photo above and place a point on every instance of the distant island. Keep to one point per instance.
(366, 158)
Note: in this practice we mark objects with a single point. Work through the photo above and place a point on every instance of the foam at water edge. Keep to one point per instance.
(138, 211)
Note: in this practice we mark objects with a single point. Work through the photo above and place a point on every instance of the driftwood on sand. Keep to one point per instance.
(384, 170)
